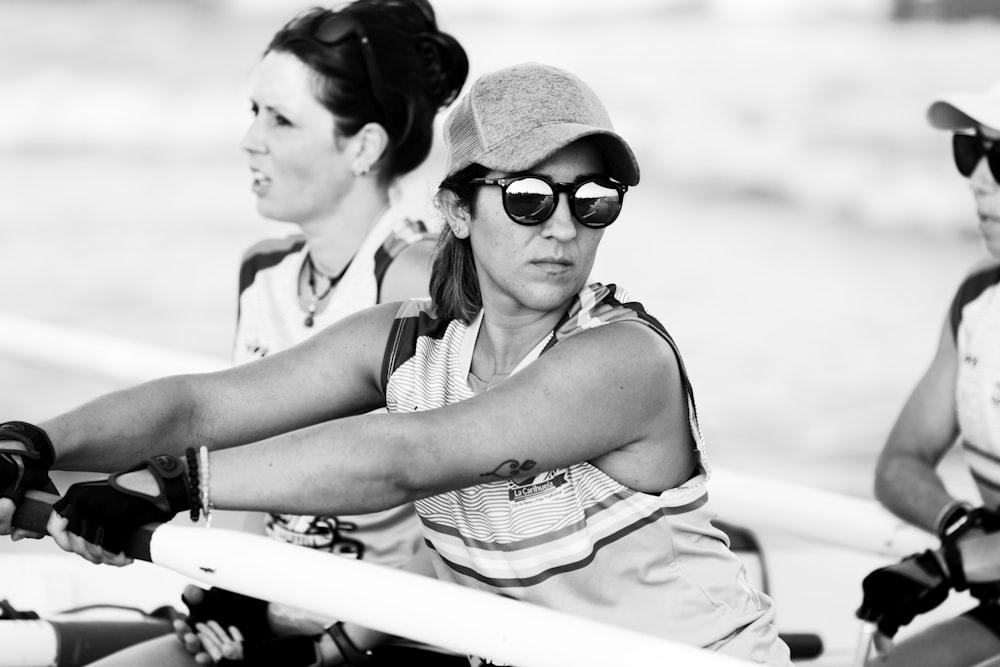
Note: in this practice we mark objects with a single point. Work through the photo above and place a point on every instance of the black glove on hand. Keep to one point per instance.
(228, 608)
(106, 514)
(22, 470)
(895, 594)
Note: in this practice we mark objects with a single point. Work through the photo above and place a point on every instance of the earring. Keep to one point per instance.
(360, 170)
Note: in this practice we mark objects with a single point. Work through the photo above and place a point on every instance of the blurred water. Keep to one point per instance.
(798, 228)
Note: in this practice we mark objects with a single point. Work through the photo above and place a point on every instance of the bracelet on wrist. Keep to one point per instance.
(956, 519)
(950, 516)
(204, 480)
(191, 458)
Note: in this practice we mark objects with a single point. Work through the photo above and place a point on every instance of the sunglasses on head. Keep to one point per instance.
(531, 200)
(969, 149)
(338, 28)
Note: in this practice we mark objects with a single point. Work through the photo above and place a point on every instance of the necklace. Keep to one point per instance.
(317, 297)
(332, 281)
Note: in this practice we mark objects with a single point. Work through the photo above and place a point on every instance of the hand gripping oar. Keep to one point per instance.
(33, 514)
(463, 619)
(67, 641)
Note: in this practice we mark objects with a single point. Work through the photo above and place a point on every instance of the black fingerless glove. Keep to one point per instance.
(291, 651)
(22, 470)
(895, 594)
(228, 608)
(106, 514)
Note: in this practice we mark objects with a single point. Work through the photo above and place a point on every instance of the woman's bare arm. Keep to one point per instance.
(335, 373)
(906, 481)
(613, 390)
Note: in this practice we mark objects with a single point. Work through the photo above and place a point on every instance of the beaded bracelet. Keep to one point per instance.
(204, 478)
(192, 478)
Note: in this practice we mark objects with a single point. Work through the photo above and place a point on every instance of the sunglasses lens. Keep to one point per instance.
(968, 150)
(993, 160)
(529, 201)
(596, 204)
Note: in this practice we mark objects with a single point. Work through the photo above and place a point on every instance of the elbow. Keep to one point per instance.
(393, 486)
(401, 458)
(409, 474)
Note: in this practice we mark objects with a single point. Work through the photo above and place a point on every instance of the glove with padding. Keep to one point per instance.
(23, 469)
(105, 513)
(894, 595)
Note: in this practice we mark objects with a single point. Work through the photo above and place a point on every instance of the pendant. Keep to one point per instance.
(309, 321)
(309, 317)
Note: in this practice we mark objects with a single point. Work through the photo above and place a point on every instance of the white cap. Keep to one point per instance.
(960, 111)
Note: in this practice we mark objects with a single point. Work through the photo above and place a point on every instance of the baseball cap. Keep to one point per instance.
(959, 111)
(514, 118)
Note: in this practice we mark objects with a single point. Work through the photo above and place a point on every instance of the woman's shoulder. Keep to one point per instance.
(981, 278)
(265, 255)
(598, 304)
(273, 249)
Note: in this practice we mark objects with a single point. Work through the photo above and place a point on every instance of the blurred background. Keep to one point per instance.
(799, 227)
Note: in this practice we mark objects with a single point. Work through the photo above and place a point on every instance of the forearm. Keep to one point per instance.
(119, 429)
(906, 479)
(911, 489)
(347, 466)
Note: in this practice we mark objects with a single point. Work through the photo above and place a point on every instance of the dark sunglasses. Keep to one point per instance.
(531, 200)
(338, 28)
(969, 149)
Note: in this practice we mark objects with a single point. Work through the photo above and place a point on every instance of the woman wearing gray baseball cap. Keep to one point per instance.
(957, 401)
(544, 425)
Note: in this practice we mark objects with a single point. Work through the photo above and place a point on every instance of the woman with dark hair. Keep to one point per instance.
(544, 426)
(344, 102)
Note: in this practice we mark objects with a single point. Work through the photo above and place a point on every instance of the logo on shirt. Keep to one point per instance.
(536, 487)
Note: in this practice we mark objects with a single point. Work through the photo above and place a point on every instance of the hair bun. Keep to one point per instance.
(445, 66)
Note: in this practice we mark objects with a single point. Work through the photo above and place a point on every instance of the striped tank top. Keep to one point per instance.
(574, 539)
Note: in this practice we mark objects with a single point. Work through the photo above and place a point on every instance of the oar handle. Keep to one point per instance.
(33, 514)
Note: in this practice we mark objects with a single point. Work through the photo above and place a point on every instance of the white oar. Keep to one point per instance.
(28, 644)
(462, 619)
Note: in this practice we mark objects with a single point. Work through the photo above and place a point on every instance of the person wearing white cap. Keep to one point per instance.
(544, 425)
(955, 403)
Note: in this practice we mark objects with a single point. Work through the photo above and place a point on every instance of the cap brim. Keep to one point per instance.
(964, 111)
(530, 148)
